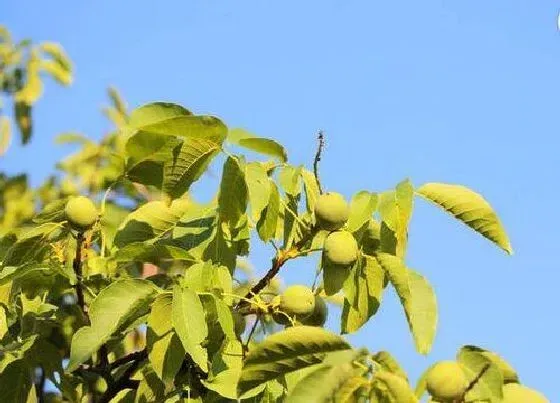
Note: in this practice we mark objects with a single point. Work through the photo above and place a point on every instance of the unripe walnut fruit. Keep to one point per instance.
(446, 381)
(81, 213)
(298, 301)
(516, 393)
(340, 248)
(331, 211)
(319, 315)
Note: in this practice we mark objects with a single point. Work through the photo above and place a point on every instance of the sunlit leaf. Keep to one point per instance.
(150, 221)
(232, 199)
(112, 307)
(417, 297)
(489, 385)
(287, 351)
(190, 324)
(362, 206)
(470, 208)
(258, 186)
(258, 144)
(5, 134)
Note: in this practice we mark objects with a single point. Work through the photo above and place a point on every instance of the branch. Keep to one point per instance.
(136, 356)
(320, 146)
(40, 386)
(473, 383)
(281, 257)
(124, 382)
(77, 266)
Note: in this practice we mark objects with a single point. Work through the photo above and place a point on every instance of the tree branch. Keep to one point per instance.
(136, 356)
(320, 146)
(77, 266)
(124, 382)
(281, 257)
(473, 383)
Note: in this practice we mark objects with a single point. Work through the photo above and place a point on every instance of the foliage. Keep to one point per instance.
(155, 302)
(22, 66)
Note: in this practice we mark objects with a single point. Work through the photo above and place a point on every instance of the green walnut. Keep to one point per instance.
(508, 373)
(298, 301)
(516, 393)
(331, 211)
(319, 315)
(81, 213)
(371, 239)
(446, 381)
(340, 248)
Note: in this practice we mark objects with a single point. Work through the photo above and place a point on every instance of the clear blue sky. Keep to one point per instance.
(454, 91)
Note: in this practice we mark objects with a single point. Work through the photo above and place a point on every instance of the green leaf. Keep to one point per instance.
(268, 222)
(470, 208)
(261, 145)
(16, 383)
(360, 303)
(150, 221)
(159, 320)
(489, 386)
(57, 71)
(258, 186)
(226, 369)
(52, 212)
(189, 126)
(311, 189)
(5, 134)
(232, 200)
(334, 277)
(71, 138)
(34, 245)
(166, 355)
(396, 387)
(349, 389)
(320, 385)
(330, 381)
(57, 53)
(155, 112)
(112, 307)
(117, 100)
(152, 253)
(362, 207)
(395, 208)
(190, 324)
(24, 120)
(287, 351)
(389, 363)
(416, 296)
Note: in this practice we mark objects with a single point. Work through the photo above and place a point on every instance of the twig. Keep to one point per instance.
(138, 355)
(320, 146)
(473, 383)
(77, 266)
(40, 387)
(123, 382)
(282, 256)
(250, 336)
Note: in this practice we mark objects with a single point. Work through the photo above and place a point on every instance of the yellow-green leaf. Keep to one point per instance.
(470, 208)
(287, 351)
(417, 297)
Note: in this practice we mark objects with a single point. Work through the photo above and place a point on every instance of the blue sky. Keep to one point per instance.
(459, 92)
